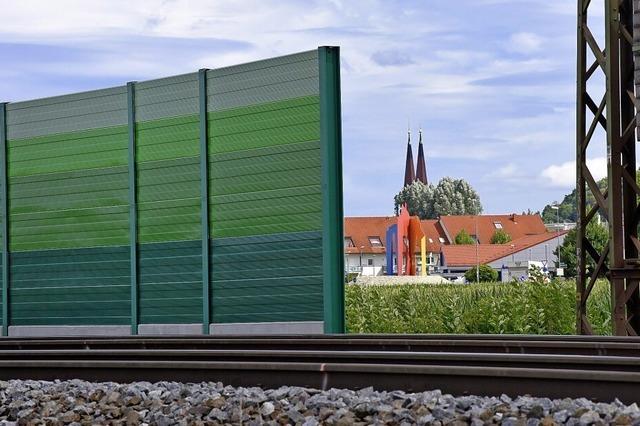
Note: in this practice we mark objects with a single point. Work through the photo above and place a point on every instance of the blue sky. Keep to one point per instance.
(491, 82)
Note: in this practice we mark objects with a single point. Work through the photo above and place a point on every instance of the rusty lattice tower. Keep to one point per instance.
(617, 203)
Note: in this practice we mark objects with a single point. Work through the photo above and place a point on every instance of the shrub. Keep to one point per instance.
(350, 276)
(463, 238)
(500, 237)
(487, 274)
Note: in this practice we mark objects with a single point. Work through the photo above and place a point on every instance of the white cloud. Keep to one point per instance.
(471, 129)
(507, 171)
(525, 42)
(564, 175)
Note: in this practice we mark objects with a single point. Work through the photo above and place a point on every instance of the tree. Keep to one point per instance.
(568, 211)
(500, 237)
(455, 197)
(597, 234)
(463, 238)
(419, 200)
(449, 197)
(487, 274)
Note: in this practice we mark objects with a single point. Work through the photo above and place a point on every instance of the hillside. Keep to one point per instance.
(568, 207)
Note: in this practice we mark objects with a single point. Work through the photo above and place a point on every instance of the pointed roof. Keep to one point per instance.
(421, 172)
(409, 171)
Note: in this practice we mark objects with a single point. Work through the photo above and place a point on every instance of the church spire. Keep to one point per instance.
(409, 171)
(421, 172)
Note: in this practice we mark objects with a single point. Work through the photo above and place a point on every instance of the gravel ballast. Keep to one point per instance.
(78, 402)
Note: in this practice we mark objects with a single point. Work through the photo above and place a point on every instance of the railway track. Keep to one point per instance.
(601, 368)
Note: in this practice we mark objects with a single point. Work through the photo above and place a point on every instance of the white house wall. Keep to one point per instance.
(536, 253)
(352, 261)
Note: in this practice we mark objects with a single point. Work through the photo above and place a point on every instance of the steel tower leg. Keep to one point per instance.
(617, 204)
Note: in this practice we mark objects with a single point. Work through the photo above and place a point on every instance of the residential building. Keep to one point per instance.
(428, 245)
(530, 241)
(457, 259)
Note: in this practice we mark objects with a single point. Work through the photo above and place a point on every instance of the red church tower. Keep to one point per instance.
(421, 172)
(409, 172)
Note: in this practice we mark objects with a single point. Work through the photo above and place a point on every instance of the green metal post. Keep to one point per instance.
(332, 216)
(133, 219)
(204, 200)
(5, 219)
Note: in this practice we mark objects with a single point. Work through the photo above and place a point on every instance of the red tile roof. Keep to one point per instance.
(359, 229)
(517, 226)
(465, 255)
(433, 231)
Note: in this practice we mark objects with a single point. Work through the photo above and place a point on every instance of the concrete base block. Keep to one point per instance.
(169, 329)
(300, 327)
(68, 330)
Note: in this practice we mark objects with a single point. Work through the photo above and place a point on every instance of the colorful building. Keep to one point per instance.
(367, 247)
(406, 245)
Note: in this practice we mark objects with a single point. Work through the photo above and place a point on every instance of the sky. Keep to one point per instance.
(490, 82)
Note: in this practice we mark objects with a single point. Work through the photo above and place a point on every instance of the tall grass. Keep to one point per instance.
(496, 308)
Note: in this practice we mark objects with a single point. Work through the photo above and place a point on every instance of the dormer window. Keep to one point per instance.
(498, 225)
(348, 242)
(375, 242)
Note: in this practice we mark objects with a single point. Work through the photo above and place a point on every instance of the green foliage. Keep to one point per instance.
(419, 200)
(568, 211)
(597, 234)
(463, 238)
(537, 276)
(449, 197)
(500, 237)
(493, 308)
(455, 197)
(351, 276)
(487, 274)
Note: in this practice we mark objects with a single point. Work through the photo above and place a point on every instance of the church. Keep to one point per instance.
(427, 246)
(419, 173)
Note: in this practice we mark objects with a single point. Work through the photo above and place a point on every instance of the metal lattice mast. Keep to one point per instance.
(615, 112)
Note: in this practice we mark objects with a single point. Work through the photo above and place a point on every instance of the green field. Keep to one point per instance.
(495, 308)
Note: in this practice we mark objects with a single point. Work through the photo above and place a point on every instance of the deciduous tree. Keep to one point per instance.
(449, 197)
(598, 236)
(463, 238)
(500, 237)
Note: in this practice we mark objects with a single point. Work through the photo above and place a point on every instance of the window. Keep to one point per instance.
(348, 242)
(441, 239)
(498, 225)
(375, 242)
(369, 262)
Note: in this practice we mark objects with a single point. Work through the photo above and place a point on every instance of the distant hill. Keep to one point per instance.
(569, 208)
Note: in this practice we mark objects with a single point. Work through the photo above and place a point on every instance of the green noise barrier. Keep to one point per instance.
(208, 202)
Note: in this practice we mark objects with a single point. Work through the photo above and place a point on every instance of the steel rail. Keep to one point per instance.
(576, 345)
(459, 380)
(568, 362)
(602, 368)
